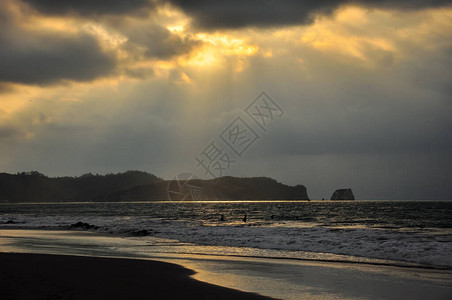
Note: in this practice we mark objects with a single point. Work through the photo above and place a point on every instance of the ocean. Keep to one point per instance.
(378, 232)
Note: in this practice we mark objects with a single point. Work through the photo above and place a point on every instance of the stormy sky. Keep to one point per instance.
(364, 89)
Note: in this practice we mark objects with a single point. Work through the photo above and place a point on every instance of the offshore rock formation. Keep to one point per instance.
(343, 194)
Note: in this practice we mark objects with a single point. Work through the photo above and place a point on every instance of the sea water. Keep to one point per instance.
(387, 232)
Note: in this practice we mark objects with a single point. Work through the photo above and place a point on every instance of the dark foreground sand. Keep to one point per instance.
(41, 276)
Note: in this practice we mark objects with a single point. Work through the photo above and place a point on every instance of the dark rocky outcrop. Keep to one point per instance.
(83, 226)
(343, 194)
(143, 232)
(10, 222)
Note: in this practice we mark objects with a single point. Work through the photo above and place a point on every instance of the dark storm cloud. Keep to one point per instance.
(34, 57)
(41, 57)
(226, 14)
(46, 59)
(89, 7)
(268, 13)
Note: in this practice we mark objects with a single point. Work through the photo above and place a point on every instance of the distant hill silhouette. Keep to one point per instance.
(222, 188)
(36, 187)
(137, 186)
(256, 187)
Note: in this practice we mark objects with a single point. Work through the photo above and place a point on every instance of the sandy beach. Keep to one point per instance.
(96, 266)
(41, 276)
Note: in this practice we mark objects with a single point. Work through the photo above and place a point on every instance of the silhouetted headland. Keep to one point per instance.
(136, 186)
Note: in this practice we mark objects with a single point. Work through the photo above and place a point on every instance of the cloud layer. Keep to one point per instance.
(90, 50)
(90, 8)
(46, 59)
(88, 87)
(267, 13)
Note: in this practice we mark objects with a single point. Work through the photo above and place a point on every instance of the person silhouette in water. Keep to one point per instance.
(244, 218)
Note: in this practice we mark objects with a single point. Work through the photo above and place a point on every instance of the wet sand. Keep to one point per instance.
(137, 268)
(42, 276)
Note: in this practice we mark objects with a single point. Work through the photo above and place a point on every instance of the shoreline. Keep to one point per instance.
(278, 278)
(362, 261)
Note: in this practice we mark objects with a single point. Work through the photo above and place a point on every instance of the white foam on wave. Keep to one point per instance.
(415, 247)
